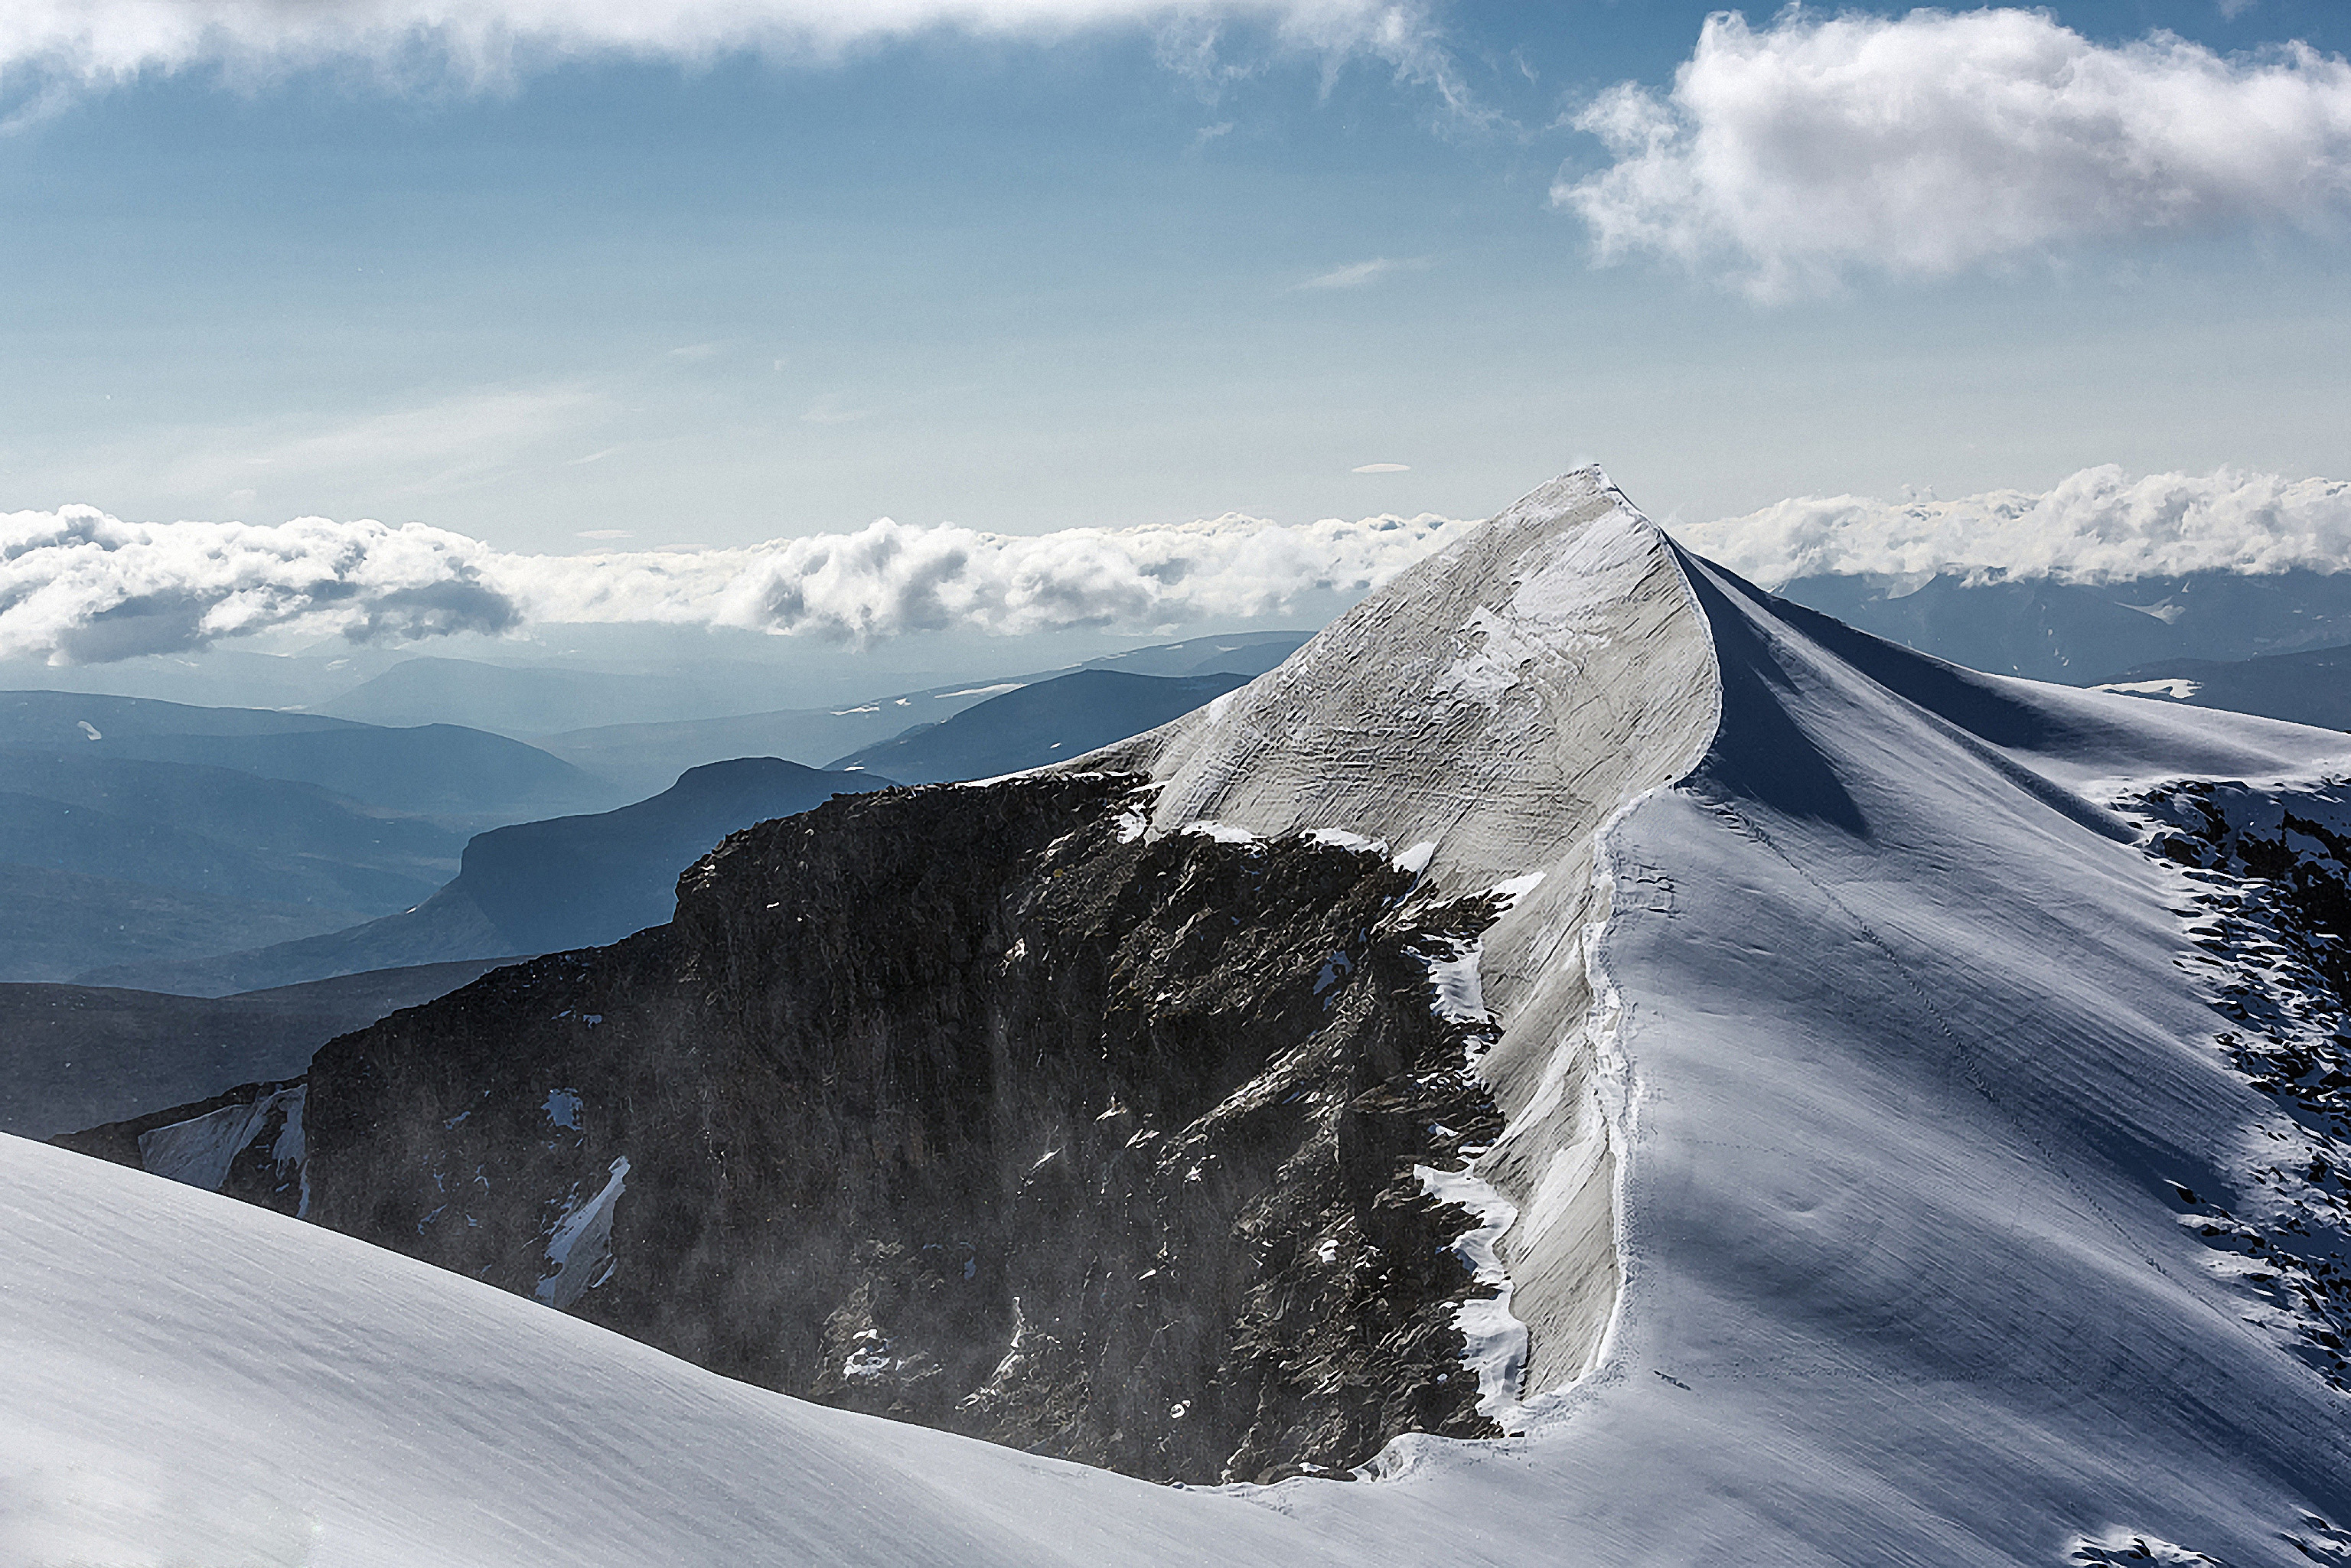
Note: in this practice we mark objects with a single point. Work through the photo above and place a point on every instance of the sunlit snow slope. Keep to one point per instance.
(1851, 1046)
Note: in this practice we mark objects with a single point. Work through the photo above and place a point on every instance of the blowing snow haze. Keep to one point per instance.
(784, 782)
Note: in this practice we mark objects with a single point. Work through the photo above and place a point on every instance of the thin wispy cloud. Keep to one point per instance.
(79, 586)
(98, 42)
(1787, 157)
(2098, 525)
(439, 444)
(1380, 468)
(834, 409)
(1356, 274)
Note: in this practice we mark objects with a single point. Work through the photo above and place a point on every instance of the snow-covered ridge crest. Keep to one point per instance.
(1494, 707)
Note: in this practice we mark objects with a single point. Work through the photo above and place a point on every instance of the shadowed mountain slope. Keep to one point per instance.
(75, 1056)
(2312, 686)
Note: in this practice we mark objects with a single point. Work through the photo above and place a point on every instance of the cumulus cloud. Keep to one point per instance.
(1792, 155)
(95, 42)
(2098, 526)
(78, 586)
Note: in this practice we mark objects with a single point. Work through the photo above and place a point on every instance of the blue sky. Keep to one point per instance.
(1030, 276)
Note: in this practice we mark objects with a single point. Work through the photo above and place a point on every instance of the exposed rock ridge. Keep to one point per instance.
(972, 1105)
(2265, 875)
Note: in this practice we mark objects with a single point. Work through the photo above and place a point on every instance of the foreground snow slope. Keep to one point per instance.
(193, 1381)
(1848, 1051)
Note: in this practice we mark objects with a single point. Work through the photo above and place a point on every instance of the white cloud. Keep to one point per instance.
(81, 587)
(78, 586)
(102, 41)
(2099, 525)
(1357, 273)
(1794, 154)
(1380, 468)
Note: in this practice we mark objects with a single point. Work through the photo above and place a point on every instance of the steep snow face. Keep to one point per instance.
(1493, 708)
(1911, 1063)
(1892, 1037)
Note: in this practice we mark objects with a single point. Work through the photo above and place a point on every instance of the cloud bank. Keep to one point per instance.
(1790, 155)
(96, 42)
(2098, 526)
(78, 586)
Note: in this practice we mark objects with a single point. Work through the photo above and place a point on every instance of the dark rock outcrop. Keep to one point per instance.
(976, 1107)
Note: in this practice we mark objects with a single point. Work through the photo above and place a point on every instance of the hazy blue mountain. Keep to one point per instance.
(37, 832)
(2082, 633)
(74, 1056)
(645, 756)
(1250, 654)
(54, 925)
(2312, 686)
(68, 718)
(1049, 721)
(217, 830)
(533, 887)
(526, 700)
(574, 882)
(641, 756)
(440, 768)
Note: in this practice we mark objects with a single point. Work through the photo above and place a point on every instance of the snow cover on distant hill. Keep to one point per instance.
(1857, 1054)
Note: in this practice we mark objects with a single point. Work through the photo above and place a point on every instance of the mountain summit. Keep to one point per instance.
(1811, 1101)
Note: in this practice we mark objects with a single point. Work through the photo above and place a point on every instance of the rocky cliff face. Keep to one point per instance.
(978, 1107)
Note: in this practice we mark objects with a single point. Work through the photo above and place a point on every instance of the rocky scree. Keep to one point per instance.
(2266, 875)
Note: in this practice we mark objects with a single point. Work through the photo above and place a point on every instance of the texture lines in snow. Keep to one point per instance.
(2266, 874)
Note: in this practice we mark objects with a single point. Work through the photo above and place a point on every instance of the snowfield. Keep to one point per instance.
(1870, 1126)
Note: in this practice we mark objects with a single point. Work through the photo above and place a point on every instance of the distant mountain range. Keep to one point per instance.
(74, 1056)
(134, 830)
(1049, 721)
(434, 769)
(645, 757)
(2312, 686)
(2086, 633)
(525, 699)
(535, 887)
(215, 850)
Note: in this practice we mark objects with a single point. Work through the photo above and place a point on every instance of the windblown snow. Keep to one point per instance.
(1891, 1120)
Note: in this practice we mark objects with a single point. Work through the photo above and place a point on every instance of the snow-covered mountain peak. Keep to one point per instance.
(1488, 702)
